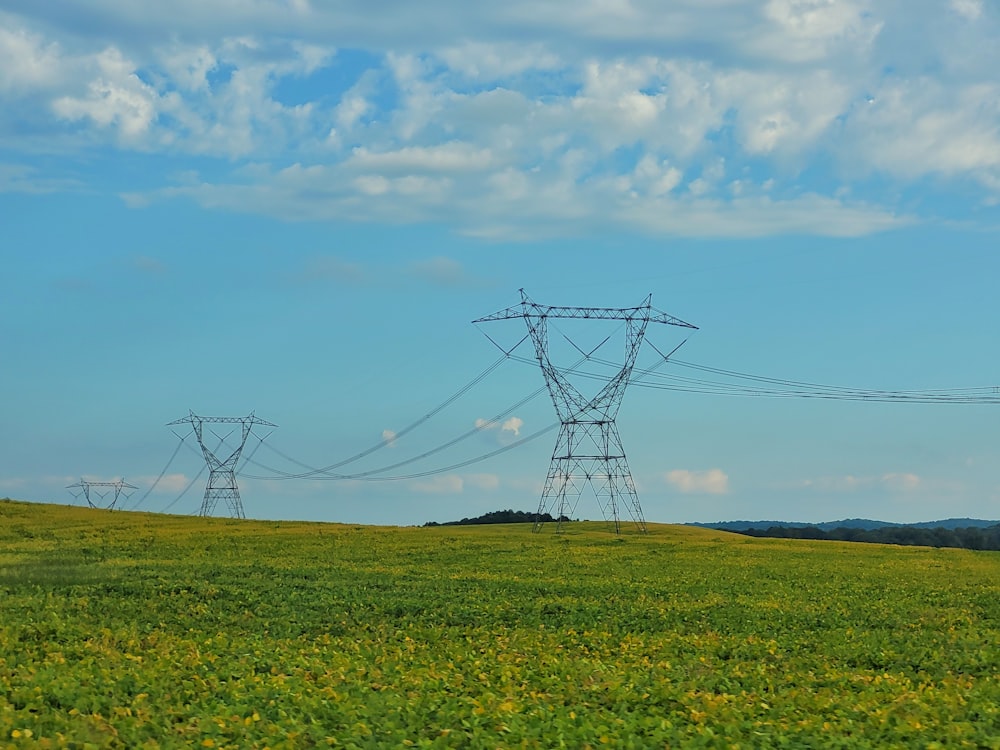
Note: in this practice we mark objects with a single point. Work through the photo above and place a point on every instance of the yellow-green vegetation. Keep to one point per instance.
(133, 630)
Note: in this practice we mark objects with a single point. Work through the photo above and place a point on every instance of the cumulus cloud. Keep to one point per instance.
(115, 98)
(513, 426)
(27, 61)
(709, 482)
(585, 122)
(506, 430)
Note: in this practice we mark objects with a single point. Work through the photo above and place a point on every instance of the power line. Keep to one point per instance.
(185, 490)
(327, 470)
(162, 474)
(370, 474)
(375, 474)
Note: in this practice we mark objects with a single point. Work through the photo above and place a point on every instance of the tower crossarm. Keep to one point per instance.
(120, 485)
(251, 419)
(595, 313)
(531, 309)
(658, 316)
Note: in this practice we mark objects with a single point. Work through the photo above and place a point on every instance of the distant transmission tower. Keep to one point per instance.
(222, 472)
(589, 449)
(86, 487)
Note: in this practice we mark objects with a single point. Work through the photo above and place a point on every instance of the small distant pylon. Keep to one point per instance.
(86, 487)
(222, 472)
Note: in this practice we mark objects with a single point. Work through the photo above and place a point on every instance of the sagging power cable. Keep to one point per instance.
(377, 474)
(313, 471)
(163, 473)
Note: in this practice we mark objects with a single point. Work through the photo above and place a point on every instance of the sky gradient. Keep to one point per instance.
(298, 208)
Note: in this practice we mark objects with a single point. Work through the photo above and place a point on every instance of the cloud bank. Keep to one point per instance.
(725, 119)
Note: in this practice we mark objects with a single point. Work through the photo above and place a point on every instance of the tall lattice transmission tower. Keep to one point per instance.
(222, 471)
(589, 449)
(102, 489)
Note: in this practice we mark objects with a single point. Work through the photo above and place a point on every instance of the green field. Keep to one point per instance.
(138, 630)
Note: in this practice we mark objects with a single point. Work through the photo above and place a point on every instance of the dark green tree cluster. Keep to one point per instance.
(965, 538)
(500, 516)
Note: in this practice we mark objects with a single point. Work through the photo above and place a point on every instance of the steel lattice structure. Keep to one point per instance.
(589, 449)
(222, 472)
(120, 487)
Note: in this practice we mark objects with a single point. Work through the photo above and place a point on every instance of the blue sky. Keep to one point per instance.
(298, 207)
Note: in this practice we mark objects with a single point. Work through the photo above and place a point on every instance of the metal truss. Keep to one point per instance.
(222, 471)
(588, 449)
(87, 488)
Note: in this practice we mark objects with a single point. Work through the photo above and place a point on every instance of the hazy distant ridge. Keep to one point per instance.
(866, 524)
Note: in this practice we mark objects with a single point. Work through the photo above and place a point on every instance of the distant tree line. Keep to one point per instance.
(500, 516)
(965, 538)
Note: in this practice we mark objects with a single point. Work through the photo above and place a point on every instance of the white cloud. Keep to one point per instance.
(188, 67)
(542, 206)
(621, 115)
(922, 126)
(27, 61)
(893, 481)
(20, 178)
(506, 431)
(448, 484)
(389, 437)
(448, 157)
(483, 481)
(513, 426)
(116, 97)
(970, 9)
(169, 483)
(809, 30)
(709, 482)
(489, 61)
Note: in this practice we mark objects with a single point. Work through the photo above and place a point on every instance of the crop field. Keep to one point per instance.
(135, 630)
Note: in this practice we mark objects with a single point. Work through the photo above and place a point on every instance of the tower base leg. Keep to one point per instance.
(589, 453)
(222, 486)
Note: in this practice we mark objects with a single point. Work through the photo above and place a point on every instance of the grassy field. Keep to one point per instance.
(136, 630)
